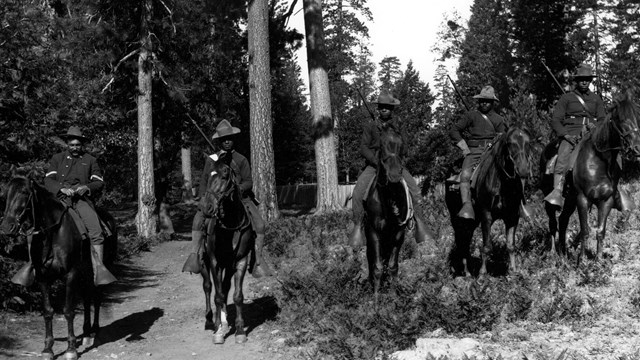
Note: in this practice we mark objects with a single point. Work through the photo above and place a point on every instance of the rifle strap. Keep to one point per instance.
(584, 106)
(489, 121)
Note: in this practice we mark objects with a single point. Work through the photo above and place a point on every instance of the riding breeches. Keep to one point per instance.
(470, 161)
(198, 221)
(256, 218)
(564, 156)
(363, 183)
(91, 221)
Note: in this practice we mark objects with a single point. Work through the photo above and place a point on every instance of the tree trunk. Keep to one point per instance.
(323, 127)
(145, 219)
(260, 110)
(185, 157)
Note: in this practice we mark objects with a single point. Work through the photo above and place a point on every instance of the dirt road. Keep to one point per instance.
(155, 312)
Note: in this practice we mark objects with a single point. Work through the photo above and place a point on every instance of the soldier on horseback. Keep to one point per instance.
(224, 135)
(473, 134)
(75, 177)
(369, 147)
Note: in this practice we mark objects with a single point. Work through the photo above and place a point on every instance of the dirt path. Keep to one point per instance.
(155, 312)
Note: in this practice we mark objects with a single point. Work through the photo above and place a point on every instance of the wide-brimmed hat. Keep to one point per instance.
(74, 132)
(387, 99)
(224, 128)
(487, 92)
(583, 71)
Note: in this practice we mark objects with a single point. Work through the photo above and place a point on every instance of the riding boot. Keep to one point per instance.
(466, 212)
(27, 274)
(356, 239)
(261, 267)
(422, 233)
(555, 197)
(193, 261)
(101, 276)
(623, 201)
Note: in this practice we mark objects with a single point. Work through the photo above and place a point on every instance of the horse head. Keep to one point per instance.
(517, 148)
(19, 205)
(220, 186)
(624, 120)
(390, 165)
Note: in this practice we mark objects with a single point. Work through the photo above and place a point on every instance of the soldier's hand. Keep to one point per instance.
(67, 191)
(591, 126)
(573, 139)
(83, 190)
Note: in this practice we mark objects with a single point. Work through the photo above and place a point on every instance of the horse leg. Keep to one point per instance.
(553, 227)
(604, 209)
(565, 215)
(238, 300)
(510, 236)
(394, 258)
(69, 313)
(375, 263)
(486, 241)
(220, 298)
(207, 285)
(87, 330)
(583, 214)
(47, 314)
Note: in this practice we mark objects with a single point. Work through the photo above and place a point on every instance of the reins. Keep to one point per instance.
(230, 187)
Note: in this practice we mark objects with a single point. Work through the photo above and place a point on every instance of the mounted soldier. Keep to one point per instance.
(473, 134)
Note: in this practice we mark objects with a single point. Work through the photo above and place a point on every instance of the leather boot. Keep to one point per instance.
(193, 261)
(261, 268)
(555, 197)
(623, 201)
(466, 212)
(101, 276)
(356, 239)
(27, 274)
(422, 233)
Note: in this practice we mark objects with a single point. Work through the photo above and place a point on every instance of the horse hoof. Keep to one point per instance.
(241, 339)
(87, 341)
(218, 338)
(71, 355)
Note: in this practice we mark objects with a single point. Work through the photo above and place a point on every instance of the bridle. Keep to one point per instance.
(625, 143)
(229, 187)
(513, 161)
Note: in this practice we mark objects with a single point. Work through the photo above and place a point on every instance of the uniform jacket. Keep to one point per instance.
(241, 168)
(65, 171)
(474, 128)
(569, 115)
(370, 141)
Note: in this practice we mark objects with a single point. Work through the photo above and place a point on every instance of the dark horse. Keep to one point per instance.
(387, 211)
(595, 175)
(498, 193)
(229, 241)
(57, 251)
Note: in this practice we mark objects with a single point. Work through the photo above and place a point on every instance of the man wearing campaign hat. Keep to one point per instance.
(225, 136)
(575, 113)
(473, 133)
(369, 146)
(75, 177)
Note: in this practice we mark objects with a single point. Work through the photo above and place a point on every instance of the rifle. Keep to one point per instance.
(373, 117)
(213, 148)
(550, 73)
(458, 92)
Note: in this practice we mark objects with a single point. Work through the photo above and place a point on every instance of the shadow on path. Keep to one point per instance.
(256, 313)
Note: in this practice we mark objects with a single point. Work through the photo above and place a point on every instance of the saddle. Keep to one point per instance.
(551, 163)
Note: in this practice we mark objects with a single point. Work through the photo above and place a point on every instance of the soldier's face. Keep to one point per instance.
(75, 147)
(384, 111)
(227, 144)
(485, 105)
(583, 84)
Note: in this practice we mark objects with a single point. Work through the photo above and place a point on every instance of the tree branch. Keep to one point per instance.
(117, 65)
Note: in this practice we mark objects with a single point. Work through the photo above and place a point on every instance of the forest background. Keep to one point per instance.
(72, 63)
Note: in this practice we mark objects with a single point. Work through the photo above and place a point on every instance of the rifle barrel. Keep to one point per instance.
(459, 93)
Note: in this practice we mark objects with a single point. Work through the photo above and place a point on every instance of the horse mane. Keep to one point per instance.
(624, 108)
(493, 161)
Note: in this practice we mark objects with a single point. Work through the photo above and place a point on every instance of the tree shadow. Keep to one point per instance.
(255, 313)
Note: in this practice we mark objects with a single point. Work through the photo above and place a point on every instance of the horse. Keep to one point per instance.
(57, 251)
(594, 177)
(229, 241)
(387, 211)
(498, 193)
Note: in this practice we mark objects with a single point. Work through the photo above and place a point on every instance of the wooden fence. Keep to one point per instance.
(304, 195)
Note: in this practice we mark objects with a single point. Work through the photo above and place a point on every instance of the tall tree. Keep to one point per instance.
(323, 127)
(389, 72)
(263, 171)
(486, 57)
(145, 221)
